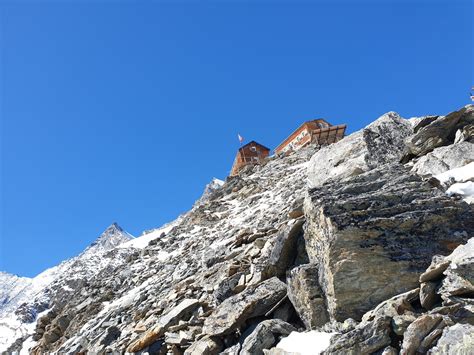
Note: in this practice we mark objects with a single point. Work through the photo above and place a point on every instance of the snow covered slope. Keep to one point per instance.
(23, 299)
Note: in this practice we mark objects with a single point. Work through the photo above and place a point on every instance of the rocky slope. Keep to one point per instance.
(22, 299)
(349, 241)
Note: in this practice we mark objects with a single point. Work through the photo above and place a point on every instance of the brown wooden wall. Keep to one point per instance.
(248, 155)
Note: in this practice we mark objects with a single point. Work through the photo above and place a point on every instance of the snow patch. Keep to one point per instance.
(463, 178)
(142, 241)
(308, 343)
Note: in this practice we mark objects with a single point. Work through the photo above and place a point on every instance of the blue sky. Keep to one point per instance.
(115, 111)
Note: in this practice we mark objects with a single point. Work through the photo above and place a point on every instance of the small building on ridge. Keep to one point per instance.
(249, 154)
(318, 132)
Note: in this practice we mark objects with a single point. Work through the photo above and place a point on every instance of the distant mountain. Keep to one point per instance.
(210, 188)
(23, 299)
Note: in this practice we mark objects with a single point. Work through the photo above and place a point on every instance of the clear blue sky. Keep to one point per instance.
(113, 111)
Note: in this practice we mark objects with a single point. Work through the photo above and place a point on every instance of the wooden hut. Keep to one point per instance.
(249, 154)
(318, 132)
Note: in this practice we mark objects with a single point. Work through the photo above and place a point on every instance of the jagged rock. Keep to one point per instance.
(389, 350)
(264, 336)
(428, 296)
(373, 234)
(279, 252)
(205, 346)
(435, 271)
(445, 158)
(400, 323)
(396, 305)
(284, 311)
(110, 335)
(379, 143)
(459, 275)
(51, 336)
(456, 339)
(184, 308)
(307, 296)
(254, 301)
(437, 133)
(62, 322)
(226, 287)
(465, 134)
(419, 330)
(365, 339)
(296, 209)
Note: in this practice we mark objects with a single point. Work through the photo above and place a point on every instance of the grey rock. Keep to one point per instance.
(465, 134)
(373, 234)
(389, 350)
(51, 336)
(307, 296)
(111, 334)
(400, 323)
(205, 346)
(438, 133)
(265, 336)
(428, 295)
(459, 275)
(418, 330)
(183, 310)
(399, 308)
(254, 301)
(457, 339)
(233, 350)
(435, 271)
(445, 158)
(365, 339)
(280, 252)
(379, 143)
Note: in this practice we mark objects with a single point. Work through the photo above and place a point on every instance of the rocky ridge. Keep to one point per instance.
(363, 253)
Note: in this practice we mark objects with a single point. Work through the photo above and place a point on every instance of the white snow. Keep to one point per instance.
(462, 174)
(463, 178)
(142, 241)
(308, 343)
(465, 189)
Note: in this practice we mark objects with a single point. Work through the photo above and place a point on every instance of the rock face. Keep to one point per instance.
(434, 132)
(365, 339)
(307, 296)
(253, 302)
(373, 234)
(265, 336)
(445, 158)
(457, 339)
(444, 326)
(379, 143)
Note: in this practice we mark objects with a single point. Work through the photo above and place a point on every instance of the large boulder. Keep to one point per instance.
(265, 335)
(177, 313)
(379, 143)
(459, 275)
(364, 339)
(421, 333)
(307, 296)
(205, 346)
(457, 339)
(254, 301)
(373, 234)
(445, 158)
(280, 251)
(436, 132)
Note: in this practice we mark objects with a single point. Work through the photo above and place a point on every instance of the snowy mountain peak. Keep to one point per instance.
(210, 188)
(113, 236)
